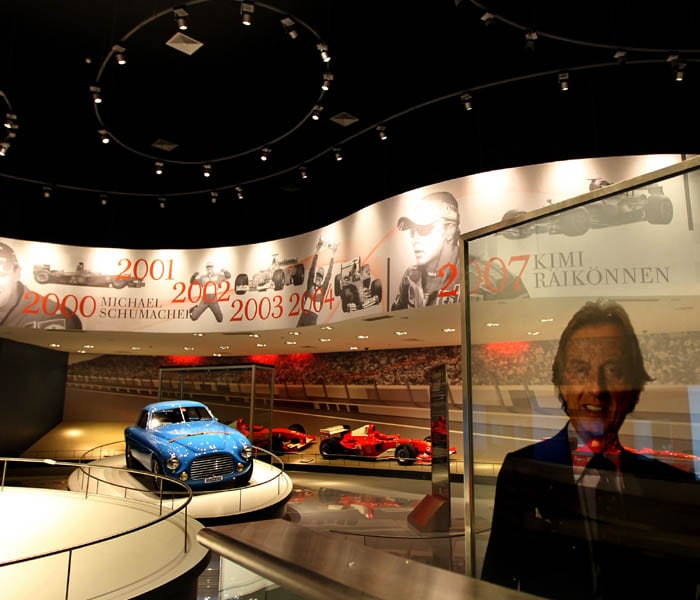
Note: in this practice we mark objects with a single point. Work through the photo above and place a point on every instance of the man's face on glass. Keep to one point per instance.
(427, 241)
(595, 383)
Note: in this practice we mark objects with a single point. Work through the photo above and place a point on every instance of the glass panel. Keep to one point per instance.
(546, 398)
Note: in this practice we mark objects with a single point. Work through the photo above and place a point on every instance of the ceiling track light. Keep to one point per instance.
(677, 66)
(620, 56)
(381, 132)
(162, 202)
(206, 170)
(214, 196)
(158, 168)
(103, 199)
(316, 112)
(338, 153)
(120, 54)
(4, 147)
(104, 136)
(488, 19)
(247, 10)
(323, 49)
(181, 15)
(326, 83)
(289, 27)
(10, 120)
(466, 100)
(96, 94)
(563, 81)
(530, 39)
(304, 174)
(46, 191)
(265, 154)
(239, 192)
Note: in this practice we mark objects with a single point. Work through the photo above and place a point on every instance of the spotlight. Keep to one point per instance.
(247, 10)
(103, 199)
(620, 56)
(326, 84)
(530, 39)
(96, 96)
(265, 154)
(563, 81)
(10, 121)
(181, 18)
(206, 170)
(214, 197)
(323, 49)
(467, 101)
(680, 71)
(159, 168)
(381, 132)
(677, 66)
(488, 19)
(120, 54)
(4, 147)
(161, 202)
(46, 190)
(303, 173)
(104, 136)
(338, 154)
(289, 29)
(316, 112)
(239, 192)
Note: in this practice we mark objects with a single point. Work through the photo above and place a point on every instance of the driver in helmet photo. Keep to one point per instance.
(434, 229)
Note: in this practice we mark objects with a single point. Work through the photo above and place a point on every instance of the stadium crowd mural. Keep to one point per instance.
(670, 359)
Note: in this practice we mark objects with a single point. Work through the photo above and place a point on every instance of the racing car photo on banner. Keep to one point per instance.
(355, 287)
(275, 276)
(82, 276)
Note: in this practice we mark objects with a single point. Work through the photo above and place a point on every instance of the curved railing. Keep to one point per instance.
(69, 550)
(173, 496)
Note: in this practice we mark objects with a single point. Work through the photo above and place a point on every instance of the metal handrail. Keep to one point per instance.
(53, 463)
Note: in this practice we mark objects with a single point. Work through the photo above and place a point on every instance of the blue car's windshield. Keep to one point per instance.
(180, 415)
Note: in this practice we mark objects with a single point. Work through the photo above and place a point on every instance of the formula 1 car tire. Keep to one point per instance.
(405, 454)
(376, 290)
(241, 282)
(330, 449)
(42, 276)
(278, 279)
(298, 275)
(659, 210)
(575, 223)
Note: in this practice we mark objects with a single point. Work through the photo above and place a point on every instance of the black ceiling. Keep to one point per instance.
(402, 64)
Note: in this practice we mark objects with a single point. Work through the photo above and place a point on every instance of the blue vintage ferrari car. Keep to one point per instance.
(183, 440)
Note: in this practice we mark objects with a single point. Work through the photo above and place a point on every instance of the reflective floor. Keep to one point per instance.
(369, 510)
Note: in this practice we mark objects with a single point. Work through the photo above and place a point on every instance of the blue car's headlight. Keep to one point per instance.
(173, 463)
(246, 451)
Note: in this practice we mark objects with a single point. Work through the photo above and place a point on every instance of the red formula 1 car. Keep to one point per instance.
(291, 439)
(367, 442)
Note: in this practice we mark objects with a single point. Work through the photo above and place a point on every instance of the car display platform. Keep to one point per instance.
(143, 563)
(268, 488)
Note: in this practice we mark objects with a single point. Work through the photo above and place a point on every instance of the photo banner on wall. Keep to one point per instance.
(397, 254)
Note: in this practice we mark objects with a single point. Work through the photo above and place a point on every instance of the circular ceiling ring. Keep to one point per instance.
(118, 47)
